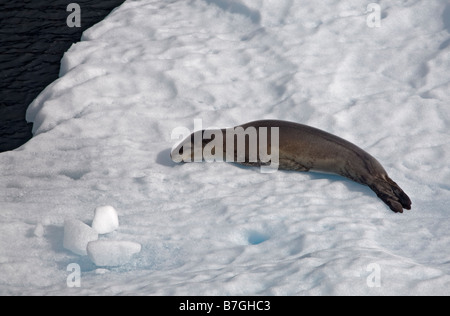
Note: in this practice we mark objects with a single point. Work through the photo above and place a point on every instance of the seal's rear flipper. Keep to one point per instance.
(391, 194)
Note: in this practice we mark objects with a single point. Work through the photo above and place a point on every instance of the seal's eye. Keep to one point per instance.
(181, 150)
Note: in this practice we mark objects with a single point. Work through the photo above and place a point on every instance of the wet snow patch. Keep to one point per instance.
(255, 237)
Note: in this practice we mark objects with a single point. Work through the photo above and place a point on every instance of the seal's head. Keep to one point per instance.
(190, 149)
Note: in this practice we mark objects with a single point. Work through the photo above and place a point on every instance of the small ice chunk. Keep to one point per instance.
(77, 235)
(109, 253)
(105, 219)
(39, 230)
(101, 271)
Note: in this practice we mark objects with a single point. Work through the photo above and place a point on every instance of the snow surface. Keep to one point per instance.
(102, 136)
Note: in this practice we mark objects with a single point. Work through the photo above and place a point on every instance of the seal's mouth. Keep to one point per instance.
(178, 153)
(174, 152)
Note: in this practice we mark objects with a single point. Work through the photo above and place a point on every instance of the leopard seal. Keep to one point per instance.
(305, 148)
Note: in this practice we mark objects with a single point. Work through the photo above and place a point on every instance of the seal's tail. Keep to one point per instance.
(391, 194)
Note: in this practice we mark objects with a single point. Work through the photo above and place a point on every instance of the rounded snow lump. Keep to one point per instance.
(105, 219)
(77, 235)
(112, 252)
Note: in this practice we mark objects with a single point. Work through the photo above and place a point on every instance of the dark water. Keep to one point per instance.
(33, 38)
